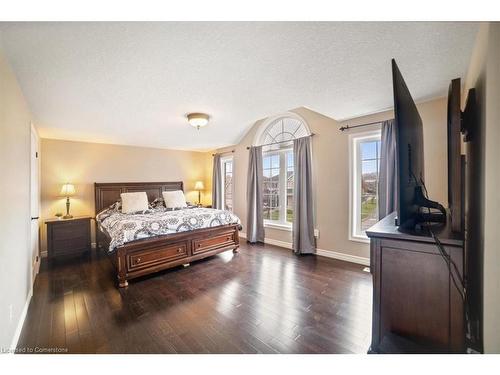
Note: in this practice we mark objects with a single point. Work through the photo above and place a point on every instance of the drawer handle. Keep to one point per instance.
(137, 260)
(199, 245)
(228, 238)
(180, 250)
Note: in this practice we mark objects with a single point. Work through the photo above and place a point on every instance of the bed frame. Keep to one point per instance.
(146, 256)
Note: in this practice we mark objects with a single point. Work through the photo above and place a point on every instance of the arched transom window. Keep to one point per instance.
(283, 129)
(278, 168)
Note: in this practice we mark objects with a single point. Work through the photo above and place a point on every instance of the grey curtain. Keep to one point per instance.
(255, 219)
(387, 184)
(217, 184)
(303, 219)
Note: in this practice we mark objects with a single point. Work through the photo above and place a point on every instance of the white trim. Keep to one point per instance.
(342, 256)
(20, 323)
(271, 241)
(263, 126)
(354, 186)
(357, 238)
(225, 159)
(283, 188)
(286, 245)
(323, 253)
(35, 265)
(274, 224)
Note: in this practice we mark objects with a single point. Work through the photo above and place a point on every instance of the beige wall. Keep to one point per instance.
(434, 119)
(331, 173)
(85, 163)
(15, 253)
(484, 75)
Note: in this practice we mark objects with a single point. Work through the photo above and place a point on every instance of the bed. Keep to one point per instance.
(145, 256)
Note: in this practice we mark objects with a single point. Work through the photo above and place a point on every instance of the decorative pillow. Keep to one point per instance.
(174, 199)
(117, 206)
(157, 203)
(134, 202)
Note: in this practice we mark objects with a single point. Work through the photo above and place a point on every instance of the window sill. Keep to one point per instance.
(284, 227)
(359, 238)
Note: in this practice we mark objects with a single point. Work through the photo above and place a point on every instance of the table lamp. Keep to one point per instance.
(67, 191)
(199, 186)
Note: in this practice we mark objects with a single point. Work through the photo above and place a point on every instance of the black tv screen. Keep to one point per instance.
(410, 150)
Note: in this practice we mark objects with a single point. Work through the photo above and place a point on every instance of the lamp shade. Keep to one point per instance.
(68, 190)
(199, 185)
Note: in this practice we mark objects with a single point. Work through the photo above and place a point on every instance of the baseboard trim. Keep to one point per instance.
(270, 241)
(20, 323)
(324, 253)
(342, 256)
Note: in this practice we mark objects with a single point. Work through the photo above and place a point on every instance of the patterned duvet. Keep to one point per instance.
(123, 228)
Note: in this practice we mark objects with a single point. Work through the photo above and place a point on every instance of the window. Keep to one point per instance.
(365, 163)
(278, 169)
(227, 185)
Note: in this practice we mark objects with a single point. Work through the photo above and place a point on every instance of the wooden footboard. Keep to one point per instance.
(147, 256)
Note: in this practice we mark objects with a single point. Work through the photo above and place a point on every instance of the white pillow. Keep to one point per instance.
(134, 202)
(174, 199)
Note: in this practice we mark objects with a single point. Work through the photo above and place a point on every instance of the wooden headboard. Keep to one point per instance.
(108, 193)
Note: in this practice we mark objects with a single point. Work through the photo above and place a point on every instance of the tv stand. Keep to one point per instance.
(416, 308)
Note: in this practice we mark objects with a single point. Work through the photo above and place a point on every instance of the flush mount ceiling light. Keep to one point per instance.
(198, 120)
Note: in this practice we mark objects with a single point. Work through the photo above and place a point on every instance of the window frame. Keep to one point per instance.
(223, 160)
(282, 223)
(258, 140)
(355, 161)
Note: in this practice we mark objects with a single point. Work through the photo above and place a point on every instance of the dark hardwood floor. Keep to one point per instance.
(262, 300)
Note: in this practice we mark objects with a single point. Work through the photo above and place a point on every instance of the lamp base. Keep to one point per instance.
(67, 216)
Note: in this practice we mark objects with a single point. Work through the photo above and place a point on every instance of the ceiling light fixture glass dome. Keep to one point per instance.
(198, 120)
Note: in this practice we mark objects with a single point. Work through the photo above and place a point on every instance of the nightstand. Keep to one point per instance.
(68, 236)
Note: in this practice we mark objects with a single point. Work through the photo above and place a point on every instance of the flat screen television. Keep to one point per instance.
(414, 207)
(455, 161)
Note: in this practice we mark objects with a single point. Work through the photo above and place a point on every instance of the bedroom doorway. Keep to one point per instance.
(34, 203)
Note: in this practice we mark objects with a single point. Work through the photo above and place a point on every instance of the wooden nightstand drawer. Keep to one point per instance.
(68, 231)
(65, 237)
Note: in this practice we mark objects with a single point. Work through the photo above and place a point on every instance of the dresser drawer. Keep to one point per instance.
(203, 245)
(157, 256)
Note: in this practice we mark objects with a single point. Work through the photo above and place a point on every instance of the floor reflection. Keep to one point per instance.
(261, 300)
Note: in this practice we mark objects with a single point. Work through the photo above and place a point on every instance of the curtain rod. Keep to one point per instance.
(277, 143)
(347, 127)
(222, 153)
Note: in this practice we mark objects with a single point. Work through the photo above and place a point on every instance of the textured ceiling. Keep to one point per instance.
(133, 83)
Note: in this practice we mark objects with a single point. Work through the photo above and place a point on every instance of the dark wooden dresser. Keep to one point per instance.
(416, 307)
(68, 236)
